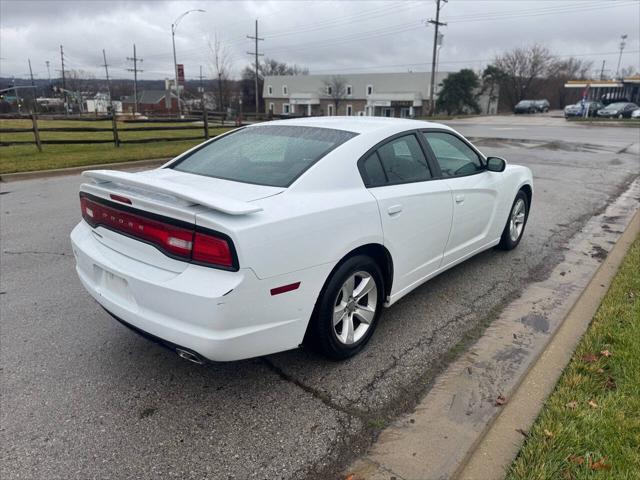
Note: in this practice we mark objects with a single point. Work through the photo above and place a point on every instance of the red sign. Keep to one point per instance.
(180, 73)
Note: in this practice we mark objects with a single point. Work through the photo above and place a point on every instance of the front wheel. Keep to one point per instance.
(348, 308)
(513, 230)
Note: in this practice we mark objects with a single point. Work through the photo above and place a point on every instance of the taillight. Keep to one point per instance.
(211, 249)
(182, 242)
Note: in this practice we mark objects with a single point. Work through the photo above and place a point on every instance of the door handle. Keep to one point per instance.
(394, 209)
(459, 198)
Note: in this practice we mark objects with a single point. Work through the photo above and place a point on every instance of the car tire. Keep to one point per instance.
(355, 318)
(514, 228)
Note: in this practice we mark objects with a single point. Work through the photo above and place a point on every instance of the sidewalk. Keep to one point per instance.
(450, 433)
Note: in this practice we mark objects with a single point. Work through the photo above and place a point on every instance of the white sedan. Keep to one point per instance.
(291, 231)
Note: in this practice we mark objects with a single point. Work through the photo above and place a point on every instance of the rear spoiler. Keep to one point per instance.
(184, 192)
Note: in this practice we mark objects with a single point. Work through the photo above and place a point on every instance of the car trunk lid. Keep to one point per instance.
(172, 197)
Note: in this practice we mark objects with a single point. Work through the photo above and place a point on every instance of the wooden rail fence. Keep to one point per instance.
(114, 129)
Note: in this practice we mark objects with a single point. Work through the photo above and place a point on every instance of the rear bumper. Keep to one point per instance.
(219, 315)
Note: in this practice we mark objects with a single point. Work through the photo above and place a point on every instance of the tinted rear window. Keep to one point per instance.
(273, 155)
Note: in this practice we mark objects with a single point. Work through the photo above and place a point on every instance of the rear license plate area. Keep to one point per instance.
(113, 286)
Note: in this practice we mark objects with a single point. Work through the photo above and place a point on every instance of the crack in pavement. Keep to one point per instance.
(323, 397)
(34, 252)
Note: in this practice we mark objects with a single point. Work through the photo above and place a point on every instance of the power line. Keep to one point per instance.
(549, 11)
(135, 71)
(257, 55)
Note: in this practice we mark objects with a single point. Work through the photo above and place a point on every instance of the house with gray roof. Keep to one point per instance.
(402, 94)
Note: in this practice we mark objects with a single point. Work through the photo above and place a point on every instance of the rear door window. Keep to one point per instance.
(374, 175)
(403, 161)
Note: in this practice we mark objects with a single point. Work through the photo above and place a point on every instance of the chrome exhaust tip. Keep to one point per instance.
(190, 356)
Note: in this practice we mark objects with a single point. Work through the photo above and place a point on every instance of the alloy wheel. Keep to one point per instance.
(516, 220)
(355, 307)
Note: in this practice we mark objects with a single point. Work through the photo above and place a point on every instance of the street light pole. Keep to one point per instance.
(622, 45)
(174, 26)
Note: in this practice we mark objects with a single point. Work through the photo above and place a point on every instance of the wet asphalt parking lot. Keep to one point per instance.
(83, 397)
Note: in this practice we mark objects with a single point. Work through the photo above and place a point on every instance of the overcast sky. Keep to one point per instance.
(325, 36)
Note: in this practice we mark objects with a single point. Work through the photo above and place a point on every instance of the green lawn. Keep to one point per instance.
(589, 427)
(22, 158)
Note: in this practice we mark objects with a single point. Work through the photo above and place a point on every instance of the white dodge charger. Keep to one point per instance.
(291, 231)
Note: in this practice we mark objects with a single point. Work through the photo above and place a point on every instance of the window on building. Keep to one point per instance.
(271, 107)
(349, 90)
(349, 110)
(453, 155)
(330, 110)
(269, 90)
(369, 89)
(285, 90)
(286, 109)
(329, 90)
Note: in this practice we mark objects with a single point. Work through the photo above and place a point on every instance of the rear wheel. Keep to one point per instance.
(348, 308)
(513, 230)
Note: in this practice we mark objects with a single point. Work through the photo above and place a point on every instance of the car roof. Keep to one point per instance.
(358, 124)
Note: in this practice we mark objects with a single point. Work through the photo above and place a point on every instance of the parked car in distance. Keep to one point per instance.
(613, 97)
(578, 109)
(290, 231)
(525, 106)
(617, 110)
(635, 113)
(542, 105)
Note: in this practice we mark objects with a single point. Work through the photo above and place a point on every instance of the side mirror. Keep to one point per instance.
(496, 164)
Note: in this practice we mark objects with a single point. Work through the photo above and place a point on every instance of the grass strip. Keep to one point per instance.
(589, 427)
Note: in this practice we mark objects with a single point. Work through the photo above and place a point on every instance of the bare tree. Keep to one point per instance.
(630, 71)
(221, 66)
(82, 84)
(335, 88)
(560, 71)
(522, 67)
(80, 81)
(271, 66)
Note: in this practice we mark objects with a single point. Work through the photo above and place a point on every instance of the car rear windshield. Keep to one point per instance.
(273, 155)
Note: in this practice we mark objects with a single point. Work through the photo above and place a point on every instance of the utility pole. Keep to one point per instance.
(106, 71)
(437, 24)
(174, 25)
(602, 70)
(257, 66)
(201, 90)
(33, 88)
(135, 71)
(622, 45)
(64, 84)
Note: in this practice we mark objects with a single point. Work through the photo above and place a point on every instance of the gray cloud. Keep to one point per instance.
(325, 36)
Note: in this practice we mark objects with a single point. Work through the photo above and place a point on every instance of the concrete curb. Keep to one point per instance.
(502, 442)
(441, 437)
(57, 172)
